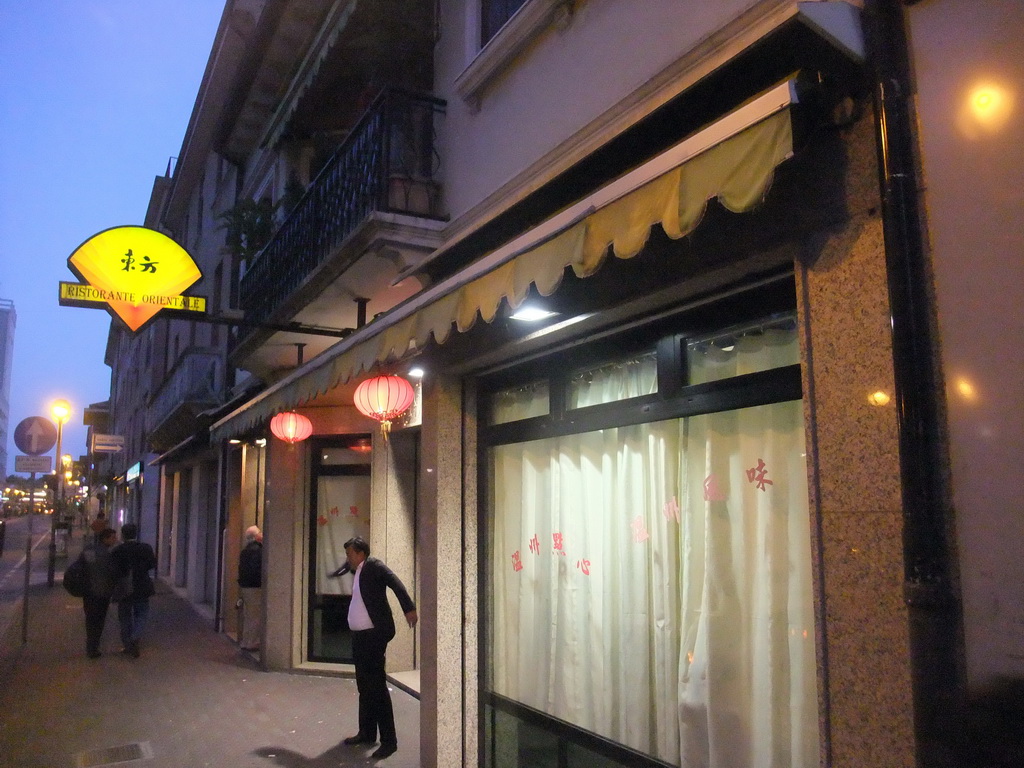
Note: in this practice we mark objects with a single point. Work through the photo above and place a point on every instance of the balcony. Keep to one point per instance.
(193, 385)
(388, 164)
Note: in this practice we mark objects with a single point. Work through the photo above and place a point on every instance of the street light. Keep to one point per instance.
(61, 411)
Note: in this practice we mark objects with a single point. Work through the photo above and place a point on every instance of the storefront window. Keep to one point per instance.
(746, 349)
(615, 381)
(649, 593)
(522, 402)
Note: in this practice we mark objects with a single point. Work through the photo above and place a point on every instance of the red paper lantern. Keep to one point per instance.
(384, 398)
(291, 427)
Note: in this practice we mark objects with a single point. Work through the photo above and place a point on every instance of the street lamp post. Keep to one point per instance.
(61, 411)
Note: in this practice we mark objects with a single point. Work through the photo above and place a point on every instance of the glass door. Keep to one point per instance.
(341, 509)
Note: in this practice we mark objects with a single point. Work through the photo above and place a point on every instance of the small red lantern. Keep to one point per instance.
(384, 398)
(291, 427)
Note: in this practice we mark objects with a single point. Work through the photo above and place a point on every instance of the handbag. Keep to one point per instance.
(76, 579)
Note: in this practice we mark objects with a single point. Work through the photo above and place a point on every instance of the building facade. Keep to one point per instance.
(735, 494)
(8, 322)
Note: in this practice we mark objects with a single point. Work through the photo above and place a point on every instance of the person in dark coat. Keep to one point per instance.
(133, 561)
(373, 626)
(250, 583)
(100, 574)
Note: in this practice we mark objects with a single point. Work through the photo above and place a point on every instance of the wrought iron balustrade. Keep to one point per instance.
(192, 386)
(388, 163)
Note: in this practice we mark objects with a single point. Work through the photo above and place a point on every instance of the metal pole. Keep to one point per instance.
(59, 477)
(28, 558)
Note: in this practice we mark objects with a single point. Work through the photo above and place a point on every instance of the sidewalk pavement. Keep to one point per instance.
(191, 700)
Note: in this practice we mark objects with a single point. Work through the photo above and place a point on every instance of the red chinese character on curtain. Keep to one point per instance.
(535, 545)
(321, 520)
(334, 512)
(584, 565)
(758, 475)
(353, 511)
(711, 489)
(671, 509)
(556, 538)
(517, 562)
(639, 530)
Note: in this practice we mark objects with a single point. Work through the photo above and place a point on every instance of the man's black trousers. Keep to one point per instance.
(95, 618)
(375, 711)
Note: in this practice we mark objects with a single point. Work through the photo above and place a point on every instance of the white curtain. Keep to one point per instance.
(343, 511)
(652, 583)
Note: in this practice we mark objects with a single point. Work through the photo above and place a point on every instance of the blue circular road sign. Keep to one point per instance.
(35, 435)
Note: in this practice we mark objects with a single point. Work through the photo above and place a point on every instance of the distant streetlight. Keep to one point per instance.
(61, 411)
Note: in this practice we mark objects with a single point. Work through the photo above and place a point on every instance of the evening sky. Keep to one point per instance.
(95, 97)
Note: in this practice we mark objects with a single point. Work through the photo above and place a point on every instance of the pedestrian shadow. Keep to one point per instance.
(338, 756)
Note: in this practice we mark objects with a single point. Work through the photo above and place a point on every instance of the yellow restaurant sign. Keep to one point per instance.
(135, 271)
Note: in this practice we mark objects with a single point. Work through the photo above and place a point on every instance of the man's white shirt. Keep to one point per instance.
(358, 618)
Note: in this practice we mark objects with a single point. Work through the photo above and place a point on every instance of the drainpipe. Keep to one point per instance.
(931, 589)
(222, 518)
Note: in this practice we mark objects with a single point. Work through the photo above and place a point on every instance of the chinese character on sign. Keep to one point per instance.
(517, 562)
(129, 260)
(671, 509)
(711, 489)
(535, 545)
(758, 475)
(559, 544)
(639, 530)
(584, 565)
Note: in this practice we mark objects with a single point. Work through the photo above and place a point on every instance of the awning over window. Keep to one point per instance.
(731, 160)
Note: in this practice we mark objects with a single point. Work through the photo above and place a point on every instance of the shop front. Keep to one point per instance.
(622, 520)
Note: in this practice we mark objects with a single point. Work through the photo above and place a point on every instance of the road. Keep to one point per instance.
(13, 562)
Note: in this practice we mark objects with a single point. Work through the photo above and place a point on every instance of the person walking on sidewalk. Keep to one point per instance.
(133, 561)
(373, 626)
(100, 577)
(99, 523)
(250, 583)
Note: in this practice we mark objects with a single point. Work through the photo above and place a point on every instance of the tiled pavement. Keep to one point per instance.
(191, 700)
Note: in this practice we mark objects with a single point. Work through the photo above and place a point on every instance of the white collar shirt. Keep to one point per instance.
(358, 617)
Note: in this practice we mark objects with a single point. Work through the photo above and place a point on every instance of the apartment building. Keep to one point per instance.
(734, 492)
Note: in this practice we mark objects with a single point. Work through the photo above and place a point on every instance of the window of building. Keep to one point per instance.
(217, 299)
(494, 14)
(523, 401)
(646, 563)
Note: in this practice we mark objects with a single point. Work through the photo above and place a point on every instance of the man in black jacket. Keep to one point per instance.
(250, 583)
(373, 626)
(133, 561)
(100, 572)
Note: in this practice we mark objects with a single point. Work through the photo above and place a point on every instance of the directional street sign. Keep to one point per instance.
(35, 435)
(107, 443)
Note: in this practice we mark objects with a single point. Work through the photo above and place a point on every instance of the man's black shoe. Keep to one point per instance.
(385, 750)
(359, 739)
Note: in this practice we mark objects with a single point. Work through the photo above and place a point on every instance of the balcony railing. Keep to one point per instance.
(388, 163)
(192, 386)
